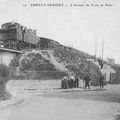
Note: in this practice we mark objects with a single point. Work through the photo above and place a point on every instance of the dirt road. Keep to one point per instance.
(108, 95)
(73, 104)
(40, 108)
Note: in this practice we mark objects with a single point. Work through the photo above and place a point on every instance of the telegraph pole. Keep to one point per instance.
(102, 49)
(95, 48)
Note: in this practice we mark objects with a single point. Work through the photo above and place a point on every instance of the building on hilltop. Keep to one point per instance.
(15, 36)
(111, 61)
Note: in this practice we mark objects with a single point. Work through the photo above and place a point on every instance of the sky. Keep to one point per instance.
(77, 26)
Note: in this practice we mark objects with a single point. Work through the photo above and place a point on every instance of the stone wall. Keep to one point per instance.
(6, 57)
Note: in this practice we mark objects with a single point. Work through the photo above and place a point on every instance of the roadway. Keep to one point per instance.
(70, 104)
(110, 93)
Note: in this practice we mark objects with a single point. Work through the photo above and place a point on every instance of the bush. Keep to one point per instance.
(4, 74)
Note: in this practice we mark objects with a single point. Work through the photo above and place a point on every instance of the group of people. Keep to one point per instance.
(73, 81)
(70, 82)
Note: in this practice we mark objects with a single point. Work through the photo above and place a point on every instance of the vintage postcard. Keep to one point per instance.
(59, 60)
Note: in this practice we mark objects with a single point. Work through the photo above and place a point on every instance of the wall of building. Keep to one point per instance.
(6, 57)
(107, 71)
(9, 25)
(8, 34)
(111, 61)
(30, 37)
(19, 33)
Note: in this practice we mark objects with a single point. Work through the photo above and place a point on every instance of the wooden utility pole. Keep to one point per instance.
(95, 48)
(102, 49)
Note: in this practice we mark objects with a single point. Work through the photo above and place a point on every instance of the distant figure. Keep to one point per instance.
(87, 81)
(71, 81)
(101, 81)
(64, 82)
(76, 83)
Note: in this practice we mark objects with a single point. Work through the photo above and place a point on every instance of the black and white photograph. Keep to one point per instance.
(59, 60)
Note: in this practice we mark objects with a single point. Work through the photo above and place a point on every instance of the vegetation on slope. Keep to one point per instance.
(4, 77)
(34, 65)
(73, 60)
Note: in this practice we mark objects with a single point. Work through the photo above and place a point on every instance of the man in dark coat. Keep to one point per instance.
(101, 81)
(76, 81)
(87, 81)
(71, 81)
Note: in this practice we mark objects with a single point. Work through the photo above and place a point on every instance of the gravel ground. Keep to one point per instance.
(58, 104)
(108, 95)
(42, 108)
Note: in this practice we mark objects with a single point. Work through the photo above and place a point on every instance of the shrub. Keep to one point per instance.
(4, 74)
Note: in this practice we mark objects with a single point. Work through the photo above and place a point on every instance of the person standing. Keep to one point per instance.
(87, 81)
(72, 80)
(76, 81)
(64, 82)
(101, 81)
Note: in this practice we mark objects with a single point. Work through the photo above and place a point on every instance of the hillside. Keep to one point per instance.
(36, 64)
(53, 63)
(74, 61)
